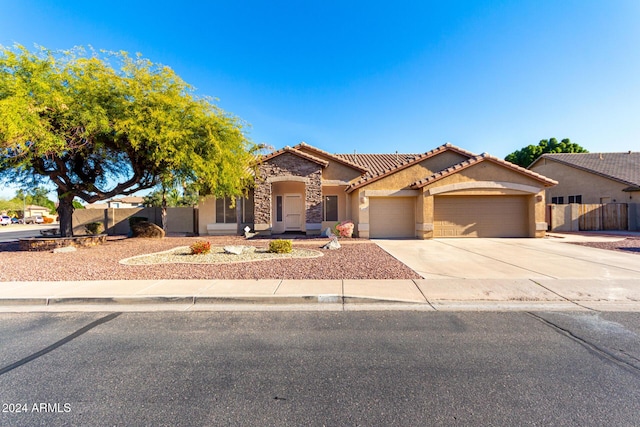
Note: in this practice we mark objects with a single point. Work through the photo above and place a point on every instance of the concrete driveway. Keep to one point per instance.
(519, 269)
(549, 258)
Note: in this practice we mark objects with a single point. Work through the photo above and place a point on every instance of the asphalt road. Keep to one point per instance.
(320, 368)
(20, 231)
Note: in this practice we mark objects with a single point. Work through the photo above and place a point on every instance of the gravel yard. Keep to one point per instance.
(357, 259)
(630, 245)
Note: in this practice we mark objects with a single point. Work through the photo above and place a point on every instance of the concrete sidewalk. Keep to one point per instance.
(336, 295)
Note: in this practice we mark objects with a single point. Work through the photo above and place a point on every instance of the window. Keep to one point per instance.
(247, 209)
(330, 208)
(575, 199)
(279, 208)
(225, 214)
(557, 200)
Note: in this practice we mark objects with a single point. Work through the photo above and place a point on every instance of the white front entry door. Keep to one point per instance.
(293, 212)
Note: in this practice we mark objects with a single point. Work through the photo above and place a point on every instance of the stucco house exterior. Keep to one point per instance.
(445, 192)
(118, 203)
(587, 178)
(593, 178)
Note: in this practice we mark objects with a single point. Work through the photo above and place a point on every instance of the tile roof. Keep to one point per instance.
(392, 163)
(337, 157)
(621, 167)
(295, 152)
(478, 159)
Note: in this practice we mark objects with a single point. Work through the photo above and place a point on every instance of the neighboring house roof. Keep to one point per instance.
(96, 206)
(295, 152)
(131, 199)
(407, 162)
(478, 159)
(621, 167)
(36, 208)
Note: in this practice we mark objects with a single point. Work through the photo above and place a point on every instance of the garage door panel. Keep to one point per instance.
(481, 216)
(392, 217)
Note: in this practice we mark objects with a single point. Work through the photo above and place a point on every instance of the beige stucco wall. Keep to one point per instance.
(116, 221)
(344, 207)
(593, 188)
(403, 178)
(280, 189)
(334, 171)
(490, 177)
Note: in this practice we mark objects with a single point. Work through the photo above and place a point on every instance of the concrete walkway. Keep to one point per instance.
(338, 295)
(458, 274)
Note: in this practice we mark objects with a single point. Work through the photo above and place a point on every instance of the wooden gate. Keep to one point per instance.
(610, 216)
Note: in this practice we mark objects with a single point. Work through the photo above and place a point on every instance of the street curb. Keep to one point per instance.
(201, 300)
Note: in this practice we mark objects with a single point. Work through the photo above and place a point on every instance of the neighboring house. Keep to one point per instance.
(445, 192)
(590, 178)
(119, 203)
(35, 210)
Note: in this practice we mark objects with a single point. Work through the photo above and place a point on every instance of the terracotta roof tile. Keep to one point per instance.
(621, 167)
(477, 159)
(388, 166)
(295, 152)
(337, 157)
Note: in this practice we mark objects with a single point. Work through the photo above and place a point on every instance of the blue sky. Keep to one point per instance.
(488, 76)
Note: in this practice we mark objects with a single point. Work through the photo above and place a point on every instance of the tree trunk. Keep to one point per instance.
(65, 214)
(164, 210)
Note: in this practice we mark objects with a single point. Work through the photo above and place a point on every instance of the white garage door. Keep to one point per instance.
(481, 216)
(392, 217)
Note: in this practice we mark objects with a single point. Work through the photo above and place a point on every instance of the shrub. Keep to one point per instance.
(200, 247)
(344, 229)
(47, 220)
(94, 228)
(133, 220)
(280, 246)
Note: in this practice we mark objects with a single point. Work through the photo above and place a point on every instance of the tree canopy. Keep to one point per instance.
(525, 156)
(101, 124)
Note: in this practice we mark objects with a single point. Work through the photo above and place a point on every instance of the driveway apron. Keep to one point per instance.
(534, 259)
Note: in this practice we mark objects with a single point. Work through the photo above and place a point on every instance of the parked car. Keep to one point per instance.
(36, 219)
(5, 220)
(16, 221)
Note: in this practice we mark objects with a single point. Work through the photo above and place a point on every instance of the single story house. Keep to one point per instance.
(445, 192)
(591, 178)
(118, 203)
(35, 210)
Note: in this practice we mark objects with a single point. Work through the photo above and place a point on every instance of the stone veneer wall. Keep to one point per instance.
(284, 165)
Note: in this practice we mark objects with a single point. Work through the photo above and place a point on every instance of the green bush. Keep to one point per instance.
(280, 246)
(94, 228)
(133, 220)
(200, 247)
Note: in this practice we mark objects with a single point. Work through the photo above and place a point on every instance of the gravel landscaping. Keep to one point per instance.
(630, 245)
(357, 259)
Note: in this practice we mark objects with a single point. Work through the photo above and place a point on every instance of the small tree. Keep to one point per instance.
(107, 124)
(525, 156)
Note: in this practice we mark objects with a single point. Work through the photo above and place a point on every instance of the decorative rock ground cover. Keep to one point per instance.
(218, 255)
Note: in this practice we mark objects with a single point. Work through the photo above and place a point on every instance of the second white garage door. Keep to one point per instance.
(481, 216)
(392, 217)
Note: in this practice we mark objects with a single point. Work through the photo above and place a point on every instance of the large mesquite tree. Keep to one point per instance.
(98, 125)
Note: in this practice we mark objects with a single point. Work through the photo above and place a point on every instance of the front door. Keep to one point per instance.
(293, 212)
